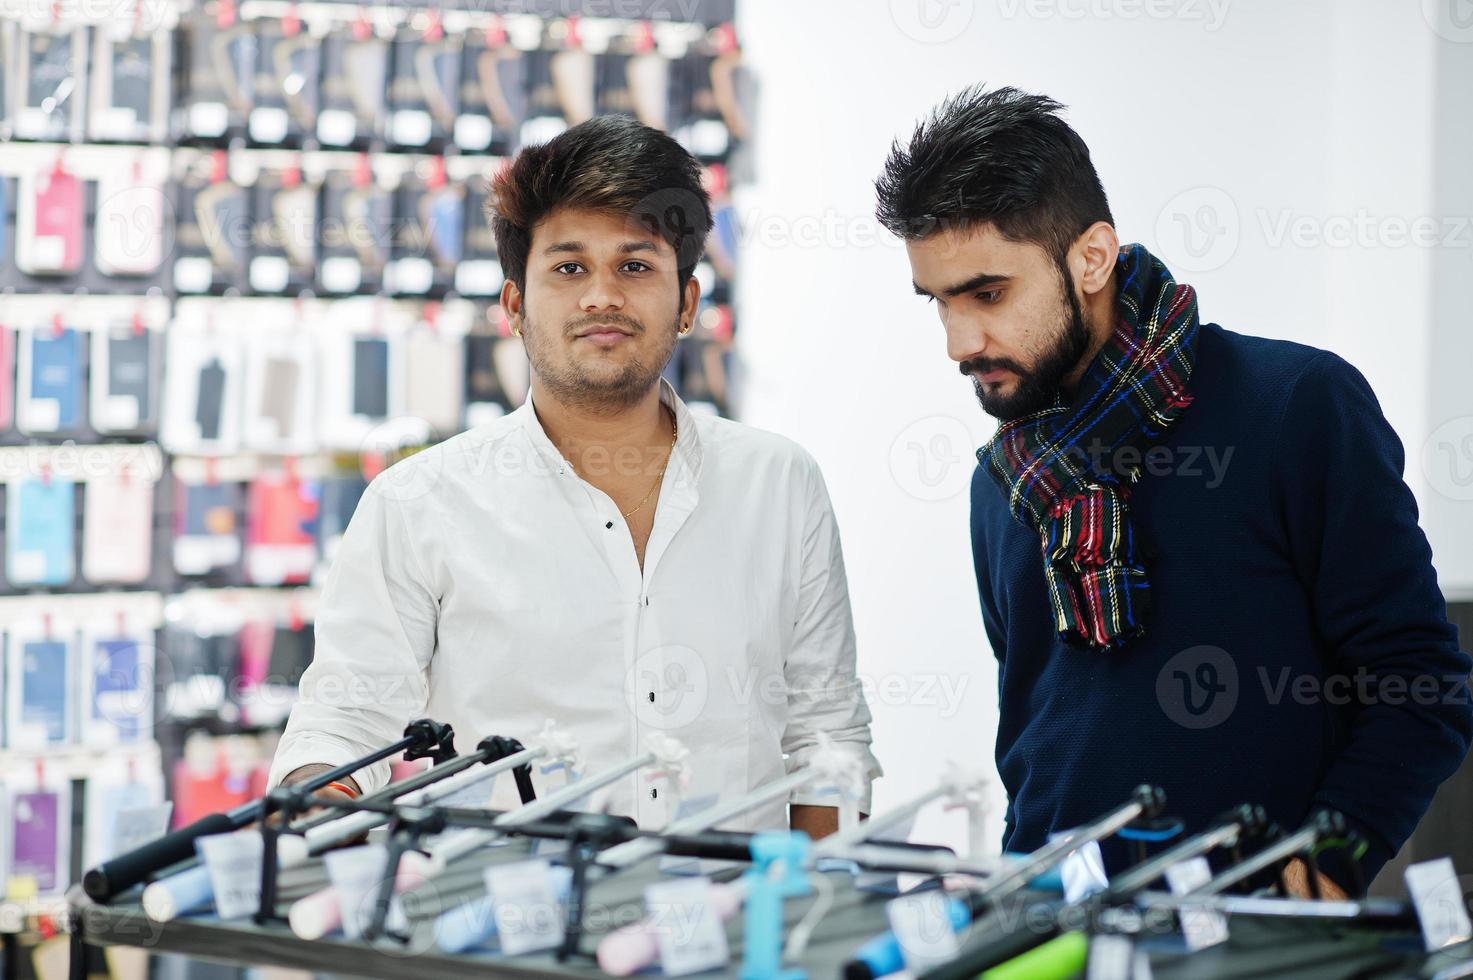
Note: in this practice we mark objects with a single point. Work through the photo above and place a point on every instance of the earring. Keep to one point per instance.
(684, 329)
(516, 329)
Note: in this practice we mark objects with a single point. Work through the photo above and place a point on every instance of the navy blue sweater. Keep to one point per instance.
(1297, 652)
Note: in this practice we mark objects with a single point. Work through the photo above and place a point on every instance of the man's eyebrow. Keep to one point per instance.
(979, 281)
(577, 247)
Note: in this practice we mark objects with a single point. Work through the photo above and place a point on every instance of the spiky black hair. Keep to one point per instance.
(1001, 157)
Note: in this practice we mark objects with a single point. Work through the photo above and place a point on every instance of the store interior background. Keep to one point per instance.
(1244, 141)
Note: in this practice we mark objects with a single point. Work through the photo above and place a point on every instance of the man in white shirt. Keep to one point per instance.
(601, 556)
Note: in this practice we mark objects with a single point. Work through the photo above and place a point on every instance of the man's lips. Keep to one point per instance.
(994, 376)
(604, 334)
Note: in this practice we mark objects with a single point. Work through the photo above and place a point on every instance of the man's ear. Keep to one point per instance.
(511, 305)
(690, 302)
(1093, 257)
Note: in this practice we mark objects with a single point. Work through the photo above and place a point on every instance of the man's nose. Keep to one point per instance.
(601, 293)
(964, 338)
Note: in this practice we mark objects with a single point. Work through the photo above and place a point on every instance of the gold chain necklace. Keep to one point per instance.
(674, 434)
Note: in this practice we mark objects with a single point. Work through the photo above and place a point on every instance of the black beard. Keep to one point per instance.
(605, 395)
(1037, 388)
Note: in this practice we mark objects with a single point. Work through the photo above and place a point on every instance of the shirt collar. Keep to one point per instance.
(688, 450)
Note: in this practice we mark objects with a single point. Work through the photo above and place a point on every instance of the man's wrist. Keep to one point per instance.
(303, 773)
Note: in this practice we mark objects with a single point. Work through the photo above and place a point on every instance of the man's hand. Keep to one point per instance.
(303, 773)
(1296, 879)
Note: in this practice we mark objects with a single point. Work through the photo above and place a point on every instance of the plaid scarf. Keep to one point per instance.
(1044, 463)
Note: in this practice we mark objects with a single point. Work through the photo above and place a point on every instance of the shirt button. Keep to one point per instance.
(654, 793)
(609, 525)
(652, 697)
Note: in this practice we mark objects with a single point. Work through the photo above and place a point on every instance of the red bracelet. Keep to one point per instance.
(344, 788)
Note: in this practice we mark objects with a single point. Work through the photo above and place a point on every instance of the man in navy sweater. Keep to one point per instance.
(1199, 565)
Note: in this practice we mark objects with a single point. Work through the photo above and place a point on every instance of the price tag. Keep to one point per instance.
(478, 793)
(341, 274)
(410, 275)
(692, 939)
(21, 888)
(540, 129)
(43, 415)
(269, 273)
(28, 566)
(356, 873)
(479, 277)
(268, 124)
(524, 903)
(472, 132)
(336, 127)
(136, 826)
(1437, 895)
(1082, 872)
(1201, 927)
(208, 118)
(410, 127)
(922, 926)
(120, 412)
(193, 274)
(234, 864)
(1110, 958)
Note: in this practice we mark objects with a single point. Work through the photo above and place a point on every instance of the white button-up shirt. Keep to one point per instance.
(483, 583)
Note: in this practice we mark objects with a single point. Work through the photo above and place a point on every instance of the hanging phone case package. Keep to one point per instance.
(201, 397)
(125, 373)
(40, 684)
(49, 219)
(39, 536)
(356, 230)
(284, 102)
(220, 73)
(696, 119)
(424, 86)
(117, 529)
(362, 381)
(284, 232)
(39, 814)
(280, 388)
(560, 84)
(493, 93)
(430, 358)
(207, 529)
(131, 63)
(355, 71)
(281, 529)
(212, 777)
(117, 808)
(50, 388)
(118, 673)
(429, 232)
(478, 273)
(51, 82)
(200, 678)
(131, 235)
(212, 225)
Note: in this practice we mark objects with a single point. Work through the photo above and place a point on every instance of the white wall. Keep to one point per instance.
(1257, 145)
